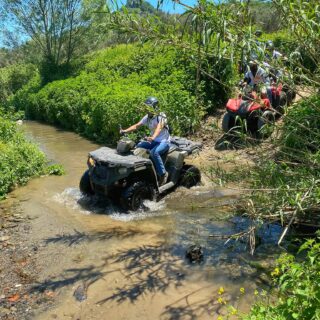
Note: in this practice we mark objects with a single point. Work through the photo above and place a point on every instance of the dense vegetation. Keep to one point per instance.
(13, 77)
(298, 281)
(110, 89)
(19, 158)
(189, 62)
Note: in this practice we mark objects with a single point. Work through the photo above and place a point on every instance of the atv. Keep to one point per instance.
(282, 96)
(257, 111)
(250, 109)
(127, 176)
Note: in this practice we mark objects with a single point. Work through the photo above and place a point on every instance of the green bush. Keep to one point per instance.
(19, 159)
(14, 77)
(301, 131)
(112, 85)
(299, 288)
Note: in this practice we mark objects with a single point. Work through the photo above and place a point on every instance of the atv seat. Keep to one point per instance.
(164, 156)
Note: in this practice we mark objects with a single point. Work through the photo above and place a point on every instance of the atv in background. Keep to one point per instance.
(282, 96)
(248, 110)
(255, 110)
(128, 177)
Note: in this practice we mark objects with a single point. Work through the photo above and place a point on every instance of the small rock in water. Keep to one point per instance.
(194, 254)
(80, 293)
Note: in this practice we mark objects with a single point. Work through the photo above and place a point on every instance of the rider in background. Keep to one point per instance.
(159, 141)
(257, 76)
(271, 53)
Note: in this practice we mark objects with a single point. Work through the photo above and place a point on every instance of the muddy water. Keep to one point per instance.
(103, 264)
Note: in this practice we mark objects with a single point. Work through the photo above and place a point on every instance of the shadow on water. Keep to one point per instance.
(192, 310)
(87, 275)
(79, 237)
(148, 270)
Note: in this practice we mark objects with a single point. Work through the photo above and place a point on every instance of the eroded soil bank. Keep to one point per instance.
(70, 257)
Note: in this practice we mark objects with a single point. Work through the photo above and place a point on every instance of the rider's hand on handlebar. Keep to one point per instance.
(122, 132)
(241, 84)
(149, 139)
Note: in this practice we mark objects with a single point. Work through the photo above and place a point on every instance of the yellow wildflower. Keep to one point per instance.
(221, 301)
(275, 272)
(221, 290)
(233, 310)
(242, 290)
(219, 318)
(256, 292)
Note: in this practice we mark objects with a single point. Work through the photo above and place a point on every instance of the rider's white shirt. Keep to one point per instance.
(261, 77)
(152, 124)
(276, 54)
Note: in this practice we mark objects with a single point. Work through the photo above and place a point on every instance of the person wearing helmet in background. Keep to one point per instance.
(159, 141)
(271, 53)
(258, 76)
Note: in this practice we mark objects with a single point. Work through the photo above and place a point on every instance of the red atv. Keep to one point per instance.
(248, 110)
(282, 96)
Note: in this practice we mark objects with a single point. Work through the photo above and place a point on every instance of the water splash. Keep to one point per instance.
(74, 199)
(151, 209)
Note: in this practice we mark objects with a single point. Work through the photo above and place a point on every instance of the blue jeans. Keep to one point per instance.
(157, 149)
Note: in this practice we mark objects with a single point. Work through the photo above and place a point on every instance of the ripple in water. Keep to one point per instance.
(74, 199)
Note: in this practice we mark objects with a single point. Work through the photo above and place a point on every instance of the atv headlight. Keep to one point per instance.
(122, 170)
(91, 162)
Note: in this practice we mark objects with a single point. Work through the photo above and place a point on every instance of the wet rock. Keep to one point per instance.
(180, 275)
(80, 293)
(194, 254)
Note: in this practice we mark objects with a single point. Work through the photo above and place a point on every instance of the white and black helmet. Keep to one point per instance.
(152, 102)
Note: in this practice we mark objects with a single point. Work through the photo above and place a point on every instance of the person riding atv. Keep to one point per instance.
(257, 76)
(159, 141)
(128, 175)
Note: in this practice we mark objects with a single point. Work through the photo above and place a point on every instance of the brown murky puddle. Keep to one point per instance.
(102, 264)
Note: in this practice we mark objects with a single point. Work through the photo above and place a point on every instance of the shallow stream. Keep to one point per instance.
(103, 264)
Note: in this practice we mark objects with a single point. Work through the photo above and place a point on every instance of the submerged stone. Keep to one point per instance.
(194, 254)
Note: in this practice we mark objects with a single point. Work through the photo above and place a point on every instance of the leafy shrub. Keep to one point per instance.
(299, 288)
(301, 132)
(14, 77)
(111, 87)
(55, 169)
(20, 159)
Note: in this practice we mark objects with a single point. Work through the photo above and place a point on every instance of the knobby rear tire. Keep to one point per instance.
(132, 196)
(190, 176)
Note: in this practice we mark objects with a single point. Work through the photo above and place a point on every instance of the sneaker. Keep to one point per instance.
(163, 179)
